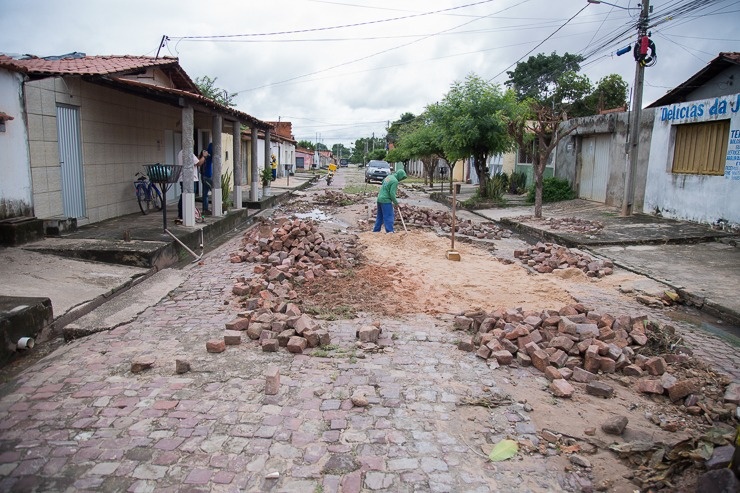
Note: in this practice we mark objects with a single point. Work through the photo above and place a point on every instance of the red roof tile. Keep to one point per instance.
(83, 65)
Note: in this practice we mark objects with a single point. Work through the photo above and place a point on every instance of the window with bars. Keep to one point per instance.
(525, 154)
(701, 148)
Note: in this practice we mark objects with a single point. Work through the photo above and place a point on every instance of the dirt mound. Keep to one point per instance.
(408, 273)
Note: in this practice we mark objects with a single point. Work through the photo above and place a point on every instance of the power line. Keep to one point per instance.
(328, 28)
(379, 52)
(540, 43)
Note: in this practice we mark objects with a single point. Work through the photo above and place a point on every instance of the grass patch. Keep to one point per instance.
(476, 202)
(353, 189)
(338, 312)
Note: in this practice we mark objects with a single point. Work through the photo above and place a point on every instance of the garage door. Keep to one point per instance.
(594, 167)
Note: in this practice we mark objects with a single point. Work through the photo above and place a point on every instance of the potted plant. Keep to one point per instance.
(266, 179)
(226, 190)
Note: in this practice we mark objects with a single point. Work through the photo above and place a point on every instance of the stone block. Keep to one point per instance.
(732, 393)
(585, 331)
(297, 345)
(216, 346)
(142, 363)
(682, 388)
(582, 376)
(607, 365)
(483, 352)
(649, 386)
(523, 359)
(599, 389)
(269, 345)
(324, 337)
(466, 344)
(552, 373)
(272, 380)
(540, 360)
(312, 338)
(368, 333)
(255, 330)
(718, 481)
(561, 388)
(232, 337)
(561, 342)
(463, 323)
(509, 346)
(632, 371)
(182, 366)
(615, 425)
(239, 323)
(503, 357)
(558, 358)
(655, 366)
(285, 336)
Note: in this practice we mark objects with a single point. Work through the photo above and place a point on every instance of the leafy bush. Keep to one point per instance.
(517, 182)
(496, 186)
(553, 190)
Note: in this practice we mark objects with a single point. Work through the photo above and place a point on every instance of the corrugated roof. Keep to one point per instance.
(679, 94)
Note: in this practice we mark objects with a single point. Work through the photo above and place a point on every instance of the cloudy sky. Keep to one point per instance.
(340, 70)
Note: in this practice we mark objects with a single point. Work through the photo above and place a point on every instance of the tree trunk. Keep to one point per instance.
(482, 171)
(539, 172)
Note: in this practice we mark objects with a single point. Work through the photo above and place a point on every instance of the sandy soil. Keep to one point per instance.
(478, 280)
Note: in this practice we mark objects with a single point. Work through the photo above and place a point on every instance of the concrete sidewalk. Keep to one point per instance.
(81, 270)
(702, 264)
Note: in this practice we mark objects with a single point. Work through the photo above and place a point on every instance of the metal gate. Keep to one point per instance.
(70, 161)
(594, 167)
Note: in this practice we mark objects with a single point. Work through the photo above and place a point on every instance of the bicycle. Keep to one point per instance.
(147, 194)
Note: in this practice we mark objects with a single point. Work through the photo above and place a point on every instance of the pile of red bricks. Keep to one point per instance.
(294, 251)
(337, 198)
(430, 218)
(547, 257)
(574, 224)
(285, 327)
(575, 344)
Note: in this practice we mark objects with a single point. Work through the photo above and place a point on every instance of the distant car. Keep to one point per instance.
(344, 163)
(377, 170)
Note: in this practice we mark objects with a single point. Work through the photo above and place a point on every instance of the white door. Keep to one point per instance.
(172, 146)
(70, 161)
(594, 167)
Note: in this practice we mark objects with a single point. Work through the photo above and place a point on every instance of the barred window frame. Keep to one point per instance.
(700, 148)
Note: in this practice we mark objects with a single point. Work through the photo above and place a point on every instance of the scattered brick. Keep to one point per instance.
(272, 380)
(615, 425)
(216, 346)
(599, 389)
(142, 363)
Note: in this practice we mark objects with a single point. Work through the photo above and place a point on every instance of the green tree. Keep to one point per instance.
(473, 118)
(208, 88)
(339, 150)
(306, 144)
(419, 139)
(610, 93)
(398, 126)
(537, 77)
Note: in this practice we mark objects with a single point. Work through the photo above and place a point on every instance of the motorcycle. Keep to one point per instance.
(329, 177)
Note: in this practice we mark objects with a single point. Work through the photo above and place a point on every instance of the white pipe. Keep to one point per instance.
(197, 257)
(25, 343)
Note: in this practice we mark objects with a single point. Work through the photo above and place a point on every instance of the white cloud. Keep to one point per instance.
(356, 98)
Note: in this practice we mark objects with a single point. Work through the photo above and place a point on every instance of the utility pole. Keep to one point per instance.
(634, 136)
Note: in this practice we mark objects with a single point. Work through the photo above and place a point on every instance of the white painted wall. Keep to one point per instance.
(698, 198)
(16, 194)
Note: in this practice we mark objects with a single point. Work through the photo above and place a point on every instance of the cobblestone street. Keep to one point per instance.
(80, 420)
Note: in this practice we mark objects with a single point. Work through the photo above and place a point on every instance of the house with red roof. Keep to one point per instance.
(75, 129)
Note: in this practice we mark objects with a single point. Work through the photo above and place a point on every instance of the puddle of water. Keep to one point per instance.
(730, 333)
(316, 214)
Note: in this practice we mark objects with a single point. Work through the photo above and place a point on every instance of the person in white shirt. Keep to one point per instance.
(197, 163)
